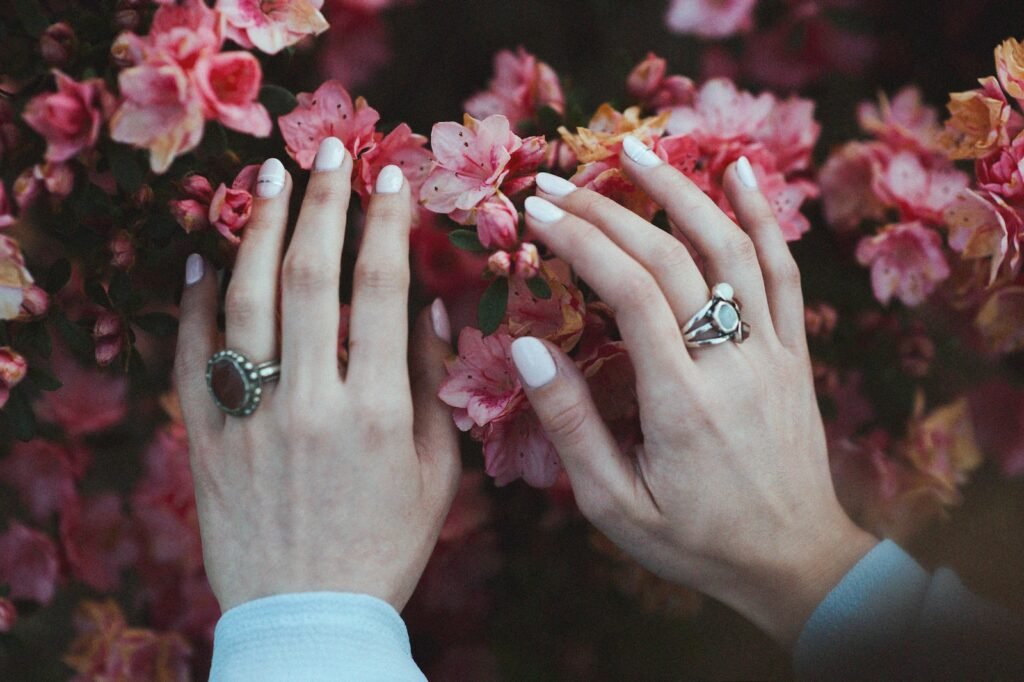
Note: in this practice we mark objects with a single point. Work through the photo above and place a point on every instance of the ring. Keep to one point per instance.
(718, 321)
(236, 383)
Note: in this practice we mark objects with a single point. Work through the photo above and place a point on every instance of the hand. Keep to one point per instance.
(335, 483)
(731, 491)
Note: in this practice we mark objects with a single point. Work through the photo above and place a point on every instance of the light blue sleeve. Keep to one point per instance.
(313, 637)
(890, 618)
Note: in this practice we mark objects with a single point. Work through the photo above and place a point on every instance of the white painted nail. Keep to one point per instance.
(390, 180)
(639, 152)
(270, 180)
(543, 210)
(554, 185)
(194, 268)
(439, 318)
(745, 172)
(534, 362)
(330, 155)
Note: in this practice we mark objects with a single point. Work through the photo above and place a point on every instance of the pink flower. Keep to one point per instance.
(13, 368)
(517, 447)
(981, 121)
(790, 133)
(497, 222)
(271, 25)
(721, 113)
(98, 540)
(401, 147)
(558, 318)
(42, 473)
(193, 212)
(648, 83)
(521, 87)
(475, 161)
(230, 208)
(920, 192)
(325, 113)
(356, 46)
(711, 18)
(847, 184)
(1002, 172)
(58, 44)
(89, 401)
(786, 198)
(1010, 68)
(904, 122)
(15, 280)
(109, 336)
(500, 263)
(982, 225)
(70, 119)
(229, 83)
(28, 563)
(8, 614)
(906, 261)
(482, 384)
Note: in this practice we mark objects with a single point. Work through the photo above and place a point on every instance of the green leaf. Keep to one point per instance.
(35, 336)
(43, 380)
(30, 14)
(57, 276)
(277, 100)
(120, 290)
(97, 294)
(19, 416)
(125, 166)
(493, 304)
(157, 324)
(467, 240)
(539, 287)
(76, 337)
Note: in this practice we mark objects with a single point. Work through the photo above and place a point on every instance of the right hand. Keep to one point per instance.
(731, 491)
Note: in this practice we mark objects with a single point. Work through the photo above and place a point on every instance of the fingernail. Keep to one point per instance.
(746, 173)
(194, 269)
(270, 180)
(554, 185)
(390, 180)
(543, 210)
(439, 318)
(639, 152)
(330, 155)
(534, 362)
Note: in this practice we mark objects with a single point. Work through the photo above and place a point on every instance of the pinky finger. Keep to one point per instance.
(781, 275)
(197, 341)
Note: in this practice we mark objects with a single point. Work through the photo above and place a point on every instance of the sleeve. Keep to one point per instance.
(888, 617)
(314, 637)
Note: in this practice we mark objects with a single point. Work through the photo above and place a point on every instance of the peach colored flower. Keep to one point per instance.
(1010, 67)
(981, 121)
(28, 563)
(15, 280)
(522, 86)
(271, 25)
(941, 446)
(711, 18)
(327, 112)
(906, 261)
(42, 473)
(982, 225)
(70, 119)
(903, 122)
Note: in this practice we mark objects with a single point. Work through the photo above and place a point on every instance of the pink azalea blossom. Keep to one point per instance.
(721, 113)
(482, 383)
(70, 119)
(98, 540)
(847, 184)
(271, 26)
(906, 261)
(13, 368)
(516, 446)
(527, 261)
(229, 83)
(903, 122)
(401, 147)
(1010, 68)
(327, 112)
(558, 318)
(28, 563)
(711, 18)
(42, 473)
(193, 211)
(982, 225)
(1003, 171)
(920, 192)
(497, 221)
(521, 87)
(790, 133)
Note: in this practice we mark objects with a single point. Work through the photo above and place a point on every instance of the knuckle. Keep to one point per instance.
(567, 423)
(240, 305)
(324, 192)
(672, 256)
(637, 288)
(596, 506)
(787, 272)
(739, 248)
(390, 212)
(381, 276)
(306, 273)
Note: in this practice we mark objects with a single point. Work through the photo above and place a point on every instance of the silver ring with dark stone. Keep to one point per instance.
(718, 321)
(236, 383)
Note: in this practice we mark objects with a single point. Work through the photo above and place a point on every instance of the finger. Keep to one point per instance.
(312, 270)
(380, 288)
(781, 274)
(728, 253)
(604, 480)
(660, 253)
(437, 439)
(250, 306)
(197, 341)
(647, 324)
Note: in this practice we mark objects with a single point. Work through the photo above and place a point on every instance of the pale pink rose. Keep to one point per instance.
(649, 84)
(521, 87)
(497, 222)
(903, 122)
(721, 113)
(8, 614)
(98, 540)
(1003, 171)
(109, 336)
(271, 25)
(401, 147)
(28, 563)
(90, 400)
(229, 83)
(42, 473)
(920, 192)
(70, 119)
(847, 184)
(325, 113)
(482, 383)
(13, 368)
(711, 18)
(906, 261)
(516, 446)
(476, 160)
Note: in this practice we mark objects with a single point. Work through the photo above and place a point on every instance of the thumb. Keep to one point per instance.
(437, 439)
(603, 478)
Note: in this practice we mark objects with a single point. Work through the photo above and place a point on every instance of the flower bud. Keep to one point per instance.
(500, 263)
(13, 368)
(122, 249)
(126, 50)
(34, 303)
(58, 45)
(109, 336)
(58, 178)
(645, 78)
(527, 261)
(497, 223)
(197, 187)
(190, 214)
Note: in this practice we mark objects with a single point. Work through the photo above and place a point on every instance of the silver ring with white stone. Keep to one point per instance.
(236, 383)
(718, 321)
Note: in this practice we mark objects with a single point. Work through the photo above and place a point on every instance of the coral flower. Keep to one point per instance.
(70, 119)
(906, 261)
(271, 25)
(327, 112)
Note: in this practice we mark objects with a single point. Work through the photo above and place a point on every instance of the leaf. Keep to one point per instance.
(277, 100)
(467, 240)
(30, 14)
(19, 415)
(539, 287)
(77, 338)
(157, 324)
(493, 304)
(57, 276)
(97, 294)
(36, 336)
(120, 290)
(43, 380)
(125, 166)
